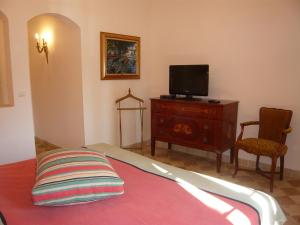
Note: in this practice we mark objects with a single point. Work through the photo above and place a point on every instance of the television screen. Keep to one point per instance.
(188, 79)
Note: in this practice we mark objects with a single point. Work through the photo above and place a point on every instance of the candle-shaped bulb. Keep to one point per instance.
(46, 36)
(37, 36)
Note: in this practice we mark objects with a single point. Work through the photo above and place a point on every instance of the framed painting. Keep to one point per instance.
(119, 56)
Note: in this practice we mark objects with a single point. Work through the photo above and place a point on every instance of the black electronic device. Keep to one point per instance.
(167, 96)
(214, 101)
(189, 80)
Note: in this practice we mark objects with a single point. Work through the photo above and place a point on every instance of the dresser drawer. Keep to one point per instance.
(196, 124)
(207, 111)
(185, 129)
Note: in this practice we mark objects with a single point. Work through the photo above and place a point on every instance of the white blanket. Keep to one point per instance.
(269, 211)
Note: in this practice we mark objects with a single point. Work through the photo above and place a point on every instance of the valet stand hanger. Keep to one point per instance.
(140, 108)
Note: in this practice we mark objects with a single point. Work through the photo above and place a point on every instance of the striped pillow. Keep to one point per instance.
(74, 176)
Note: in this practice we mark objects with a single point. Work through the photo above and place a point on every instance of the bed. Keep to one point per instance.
(155, 193)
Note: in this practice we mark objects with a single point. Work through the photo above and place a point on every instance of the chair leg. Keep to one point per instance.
(236, 158)
(231, 155)
(273, 167)
(281, 167)
(257, 162)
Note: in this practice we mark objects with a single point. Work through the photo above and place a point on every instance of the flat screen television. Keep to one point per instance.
(188, 80)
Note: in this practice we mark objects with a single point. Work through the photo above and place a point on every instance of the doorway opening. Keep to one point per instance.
(56, 82)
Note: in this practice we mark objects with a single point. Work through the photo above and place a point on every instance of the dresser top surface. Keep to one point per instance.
(195, 101)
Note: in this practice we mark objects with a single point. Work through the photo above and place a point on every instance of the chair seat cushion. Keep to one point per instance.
(259, 146)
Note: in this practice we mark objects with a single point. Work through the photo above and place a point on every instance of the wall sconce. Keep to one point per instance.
(41, 47)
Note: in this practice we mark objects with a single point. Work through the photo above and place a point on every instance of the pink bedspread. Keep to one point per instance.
(148, 200)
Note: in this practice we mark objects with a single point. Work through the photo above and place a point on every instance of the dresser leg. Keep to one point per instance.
(152, 146)
(219, 161)
(231, 155)
(170, 146)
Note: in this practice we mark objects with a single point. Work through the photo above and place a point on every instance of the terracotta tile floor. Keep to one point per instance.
(287, 192)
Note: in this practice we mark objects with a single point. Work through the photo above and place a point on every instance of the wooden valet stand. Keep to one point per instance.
(140, 108)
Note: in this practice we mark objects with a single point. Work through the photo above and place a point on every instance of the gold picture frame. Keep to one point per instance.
(119, 56)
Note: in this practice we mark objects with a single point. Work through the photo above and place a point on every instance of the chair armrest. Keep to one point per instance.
(246, 124)
(286, 131)
(250, 123)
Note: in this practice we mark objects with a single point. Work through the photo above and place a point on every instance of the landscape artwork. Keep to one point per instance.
(120, 56)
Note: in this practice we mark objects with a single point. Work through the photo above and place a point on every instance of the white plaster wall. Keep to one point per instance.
(57, 86)
(16, 127)
(252, 47)
(101, 117)
(100, 114)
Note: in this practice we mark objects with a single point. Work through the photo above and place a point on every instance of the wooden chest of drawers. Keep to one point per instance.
(197, 124)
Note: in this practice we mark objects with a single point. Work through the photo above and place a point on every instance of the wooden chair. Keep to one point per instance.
(274, 125)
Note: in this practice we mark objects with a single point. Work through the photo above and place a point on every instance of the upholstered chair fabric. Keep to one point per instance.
(260, 146)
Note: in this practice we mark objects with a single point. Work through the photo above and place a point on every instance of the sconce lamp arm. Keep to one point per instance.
(43, 48)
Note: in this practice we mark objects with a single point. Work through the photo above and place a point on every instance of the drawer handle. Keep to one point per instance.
(161, 120)
(204, 139)
(205, 127)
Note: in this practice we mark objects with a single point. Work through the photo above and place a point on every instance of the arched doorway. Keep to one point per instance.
(56, 86)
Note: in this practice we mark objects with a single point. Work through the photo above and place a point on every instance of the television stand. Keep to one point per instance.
(196, 124)
(191, 98)
(168, 97)
(186, 97)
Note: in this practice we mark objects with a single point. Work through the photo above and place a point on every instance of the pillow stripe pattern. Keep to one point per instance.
(74, 176)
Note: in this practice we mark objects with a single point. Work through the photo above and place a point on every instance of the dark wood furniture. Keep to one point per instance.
(195, 123)
(274, 125)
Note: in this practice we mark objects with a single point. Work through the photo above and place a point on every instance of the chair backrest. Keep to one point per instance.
(272, 122)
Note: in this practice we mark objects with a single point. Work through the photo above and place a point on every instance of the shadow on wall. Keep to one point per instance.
(56, 86)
